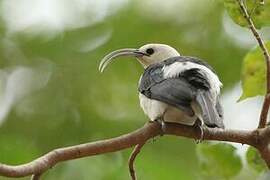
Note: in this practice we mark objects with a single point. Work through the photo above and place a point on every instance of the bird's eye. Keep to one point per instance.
(150, 51)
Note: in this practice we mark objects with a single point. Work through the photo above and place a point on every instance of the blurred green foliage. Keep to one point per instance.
(80, 105)
(219, 161)
(254, 73)
(255, 161)
(258, 11)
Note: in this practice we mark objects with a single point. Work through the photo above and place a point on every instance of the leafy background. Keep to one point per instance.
(52, 94)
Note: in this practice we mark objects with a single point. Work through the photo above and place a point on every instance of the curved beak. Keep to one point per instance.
(118, 53)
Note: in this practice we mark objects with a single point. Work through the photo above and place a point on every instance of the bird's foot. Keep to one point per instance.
(201, 135)
(154, 140)
(198, 124)
(163, 126)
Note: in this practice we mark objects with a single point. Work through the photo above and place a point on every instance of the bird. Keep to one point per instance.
(175, 88)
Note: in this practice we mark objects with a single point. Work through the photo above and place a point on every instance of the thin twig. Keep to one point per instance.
(266, 103)
(132, 158)
(264, 112)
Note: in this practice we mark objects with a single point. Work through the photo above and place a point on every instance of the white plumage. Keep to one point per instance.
(173, 70)
(156, 109)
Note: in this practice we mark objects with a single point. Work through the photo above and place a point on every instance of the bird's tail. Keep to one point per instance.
(209, 113)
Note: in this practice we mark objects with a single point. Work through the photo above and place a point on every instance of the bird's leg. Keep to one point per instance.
(201, 135)
(163, 125)
(199, 124)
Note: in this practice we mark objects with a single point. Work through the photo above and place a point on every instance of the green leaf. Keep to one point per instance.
(219, 160)
(259, 12)
(254, 73)
(255, 161)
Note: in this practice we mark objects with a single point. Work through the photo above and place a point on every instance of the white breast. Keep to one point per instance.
(152, 108)
(156, 109)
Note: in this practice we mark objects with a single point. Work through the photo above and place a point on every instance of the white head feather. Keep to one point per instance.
(156, 53)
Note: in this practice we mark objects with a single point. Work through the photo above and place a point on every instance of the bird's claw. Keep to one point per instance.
(154, 140)
(201, 135)
(199, 125)
(163, 126)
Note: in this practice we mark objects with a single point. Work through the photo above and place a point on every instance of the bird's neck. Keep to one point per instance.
(144, 63)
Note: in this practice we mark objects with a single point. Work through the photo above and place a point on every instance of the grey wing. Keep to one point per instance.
(176, 92)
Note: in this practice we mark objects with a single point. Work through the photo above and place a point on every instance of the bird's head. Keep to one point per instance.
(146, 55)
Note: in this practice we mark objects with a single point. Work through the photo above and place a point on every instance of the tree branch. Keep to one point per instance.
(148, 131)
(266, 103)
(132, 158)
